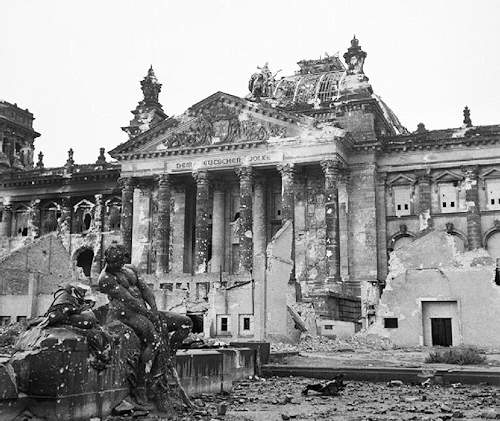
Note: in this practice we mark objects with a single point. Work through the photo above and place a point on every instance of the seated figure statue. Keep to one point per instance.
(132, 302)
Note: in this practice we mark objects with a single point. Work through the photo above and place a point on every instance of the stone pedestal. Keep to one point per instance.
(217, 261)
(162, 230)
(331, 169)
(246, 241)
(6, 224)
(127, 212)
(474, 236)
(202, 227)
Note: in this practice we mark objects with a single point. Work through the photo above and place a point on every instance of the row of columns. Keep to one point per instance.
(331, 170)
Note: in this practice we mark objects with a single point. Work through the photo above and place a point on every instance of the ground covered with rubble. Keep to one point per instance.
(281, 399)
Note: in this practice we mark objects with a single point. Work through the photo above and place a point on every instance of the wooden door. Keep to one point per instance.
(441, 331)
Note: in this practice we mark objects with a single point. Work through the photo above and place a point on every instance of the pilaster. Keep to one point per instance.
(474, 235)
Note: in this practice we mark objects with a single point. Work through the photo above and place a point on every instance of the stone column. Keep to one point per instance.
(202, 227)
(474, 236)
(259, 257)
(35, 218)
(218, 228)
(246, 241)
(331, 169)
(287, 191)
(98, 228)
(6, 225)
(162, 231)
(126, 184)
(424, 200)
(288, 204)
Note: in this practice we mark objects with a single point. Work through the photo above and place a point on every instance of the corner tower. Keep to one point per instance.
(149, 111)
(17, 138)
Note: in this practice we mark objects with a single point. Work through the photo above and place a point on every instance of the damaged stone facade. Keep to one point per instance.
(200, 198)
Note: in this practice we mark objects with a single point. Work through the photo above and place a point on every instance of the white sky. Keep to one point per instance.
(77, 64)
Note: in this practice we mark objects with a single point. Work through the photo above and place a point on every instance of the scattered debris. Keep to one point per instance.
(332, 388)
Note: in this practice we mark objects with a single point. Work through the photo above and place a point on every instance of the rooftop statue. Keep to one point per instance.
(262, 83)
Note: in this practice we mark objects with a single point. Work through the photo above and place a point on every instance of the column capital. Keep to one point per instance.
(98, 198)
(423, 175)
(331, 167)
(163, 180)
(244, 173)
(200, 176)
(125, 182)
(471, 172)
(286, 169)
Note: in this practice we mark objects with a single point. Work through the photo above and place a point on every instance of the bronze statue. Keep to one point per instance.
(132, 302)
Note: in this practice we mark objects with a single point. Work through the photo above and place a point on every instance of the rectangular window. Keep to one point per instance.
(245, 325)
(402, 200)
(4, 320)
(223, 324)
(493, 192)
(448, 197)
(390, 322)
(21, 319)
(328, 327)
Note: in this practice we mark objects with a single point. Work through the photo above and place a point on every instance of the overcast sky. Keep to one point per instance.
(77, 64)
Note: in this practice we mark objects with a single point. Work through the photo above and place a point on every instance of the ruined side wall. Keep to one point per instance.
(430, 270)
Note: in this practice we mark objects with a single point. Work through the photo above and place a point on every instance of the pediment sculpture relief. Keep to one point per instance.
(223, 124)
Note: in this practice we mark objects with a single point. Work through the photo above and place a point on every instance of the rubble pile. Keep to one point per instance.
(9, 335)
(360, 341)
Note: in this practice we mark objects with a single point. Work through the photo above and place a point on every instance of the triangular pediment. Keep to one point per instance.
(491, 173)
(401, 179)
(220, 119)
(447, 176)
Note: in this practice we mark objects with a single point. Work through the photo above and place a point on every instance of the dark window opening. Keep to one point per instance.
(223, 324)
(168, 287)
(492, 201)
(406, 206)
(399, 207)
(178, 285)
(444, 204)
(87, 219)
(4, 320)
(452, 204)
(328, 327)
(197, 322)
(21, 319)
(497, 276)
(236, 216)
(246, 323)
(84, 260)
(390, 322)
(24, 232)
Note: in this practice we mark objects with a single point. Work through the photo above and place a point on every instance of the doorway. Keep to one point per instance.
(440, 323)
(441, 331)
(84, 260)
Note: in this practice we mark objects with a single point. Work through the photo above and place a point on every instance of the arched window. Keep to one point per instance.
(50, 213)
(82, 217)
